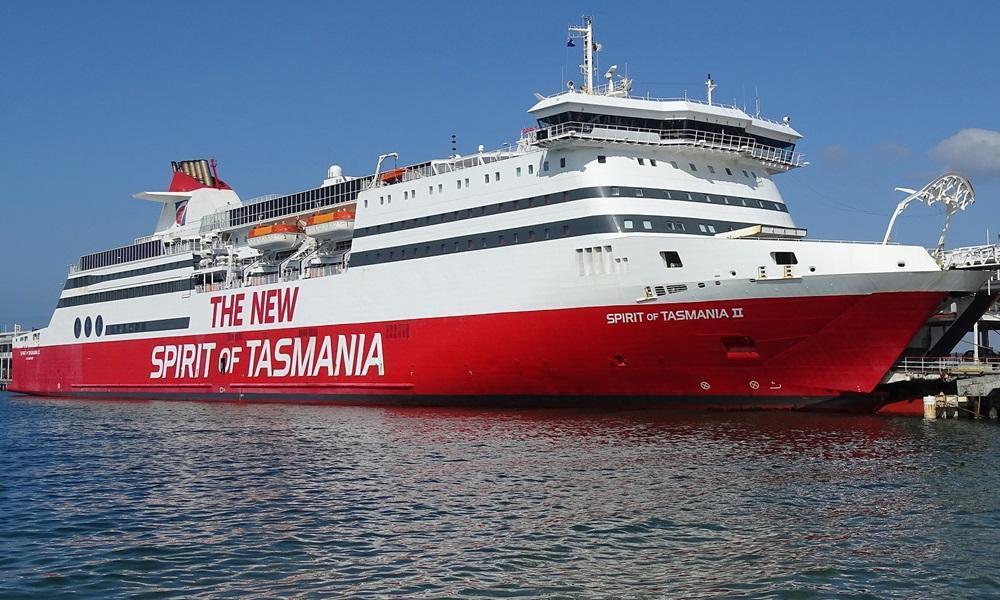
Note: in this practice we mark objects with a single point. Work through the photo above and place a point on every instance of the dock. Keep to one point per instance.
(6, 355)
(950, 379)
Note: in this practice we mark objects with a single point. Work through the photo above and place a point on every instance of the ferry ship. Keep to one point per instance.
(626, 251)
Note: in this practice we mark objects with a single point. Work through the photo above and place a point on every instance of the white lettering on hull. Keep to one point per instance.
(356, 356)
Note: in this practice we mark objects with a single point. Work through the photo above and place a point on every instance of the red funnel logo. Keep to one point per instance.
(180, 215)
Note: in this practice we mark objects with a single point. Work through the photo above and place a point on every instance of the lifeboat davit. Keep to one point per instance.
(275, 237)
(331, 226)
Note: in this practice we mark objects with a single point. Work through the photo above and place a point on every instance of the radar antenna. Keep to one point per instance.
(951, 189)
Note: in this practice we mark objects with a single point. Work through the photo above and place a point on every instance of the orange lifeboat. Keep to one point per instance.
(331, 226)
(280, 236)
(394, 175)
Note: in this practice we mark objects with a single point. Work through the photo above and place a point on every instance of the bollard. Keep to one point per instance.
(930, 408)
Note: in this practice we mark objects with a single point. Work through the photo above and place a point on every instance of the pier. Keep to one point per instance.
(936, 370)
(6, 339)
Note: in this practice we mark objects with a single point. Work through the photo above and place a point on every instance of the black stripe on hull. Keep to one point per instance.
(855, 404)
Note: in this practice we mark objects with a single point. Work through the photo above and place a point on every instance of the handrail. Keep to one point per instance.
(668, 137)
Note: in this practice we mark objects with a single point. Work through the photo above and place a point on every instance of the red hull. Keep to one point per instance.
(819, 351)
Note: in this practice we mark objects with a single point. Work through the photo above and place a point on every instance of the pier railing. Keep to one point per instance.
(948, 365)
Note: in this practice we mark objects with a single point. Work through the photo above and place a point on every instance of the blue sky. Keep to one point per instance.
(97, 98)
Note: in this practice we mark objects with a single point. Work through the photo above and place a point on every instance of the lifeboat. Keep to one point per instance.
(331, 226)
(393, 176)
(270, 238)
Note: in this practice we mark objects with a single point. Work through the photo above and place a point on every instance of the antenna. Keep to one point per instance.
(756, 102)
(454, 145)
(709, 88)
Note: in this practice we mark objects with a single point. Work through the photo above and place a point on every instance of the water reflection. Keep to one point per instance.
(209, 499)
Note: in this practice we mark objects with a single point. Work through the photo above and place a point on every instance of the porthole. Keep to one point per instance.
(88, 325)
(77, 327)
(99, 326)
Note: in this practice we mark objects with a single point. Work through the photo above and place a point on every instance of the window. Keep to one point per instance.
(413, 193)
(729, 171)
(381, 199)
(486, 177)
(680, 226)
(406, 195)
(673, 164)
(500, 240)
(440, 187)
(366, 206)
(711, 228)
(496, 176)
(531, 235)
(602, 159)
(562, 163)
(388, 199)
(647, 225)
(430, 190)
(641, 161)
(466, 182)
(517, 171)
(652, 162)
(671, 259)
(638, 193)
(531, 169)
(754, 173)
(711, 169)
(615, 191)
(565, 230)
(628, 224)
(745, 174)
(545, 165)
(693, 168)
(784, 258)
(459, 182)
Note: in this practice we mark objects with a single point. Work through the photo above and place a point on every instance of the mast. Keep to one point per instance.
(589, 47)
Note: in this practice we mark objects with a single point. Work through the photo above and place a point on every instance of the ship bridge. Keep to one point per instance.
(610, 114)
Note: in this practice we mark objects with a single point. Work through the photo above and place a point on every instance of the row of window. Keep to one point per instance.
(85, 280)
(541, 232)
(166, 287)
(691, 166)
(487, 178)
(144, 326)
(494, 239)
(291, 204)
(5, 348)
(565, 196)
(87, 326)
(124, 254)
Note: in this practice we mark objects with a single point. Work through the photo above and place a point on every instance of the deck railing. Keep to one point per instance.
(747, 146)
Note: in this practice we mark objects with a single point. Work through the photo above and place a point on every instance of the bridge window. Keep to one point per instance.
(545, 165)
(729, 171)
(602, 159)
(693, 168)
(531, 169)
(641, 161)
(562, 163)
(711, 169)
(652, 162)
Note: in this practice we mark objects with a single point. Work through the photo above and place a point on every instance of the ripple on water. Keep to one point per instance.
(202, 500)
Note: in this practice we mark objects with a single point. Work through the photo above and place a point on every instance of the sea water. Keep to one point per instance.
(152, 499)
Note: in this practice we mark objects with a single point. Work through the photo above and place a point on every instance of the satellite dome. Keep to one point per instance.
(334, 171)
